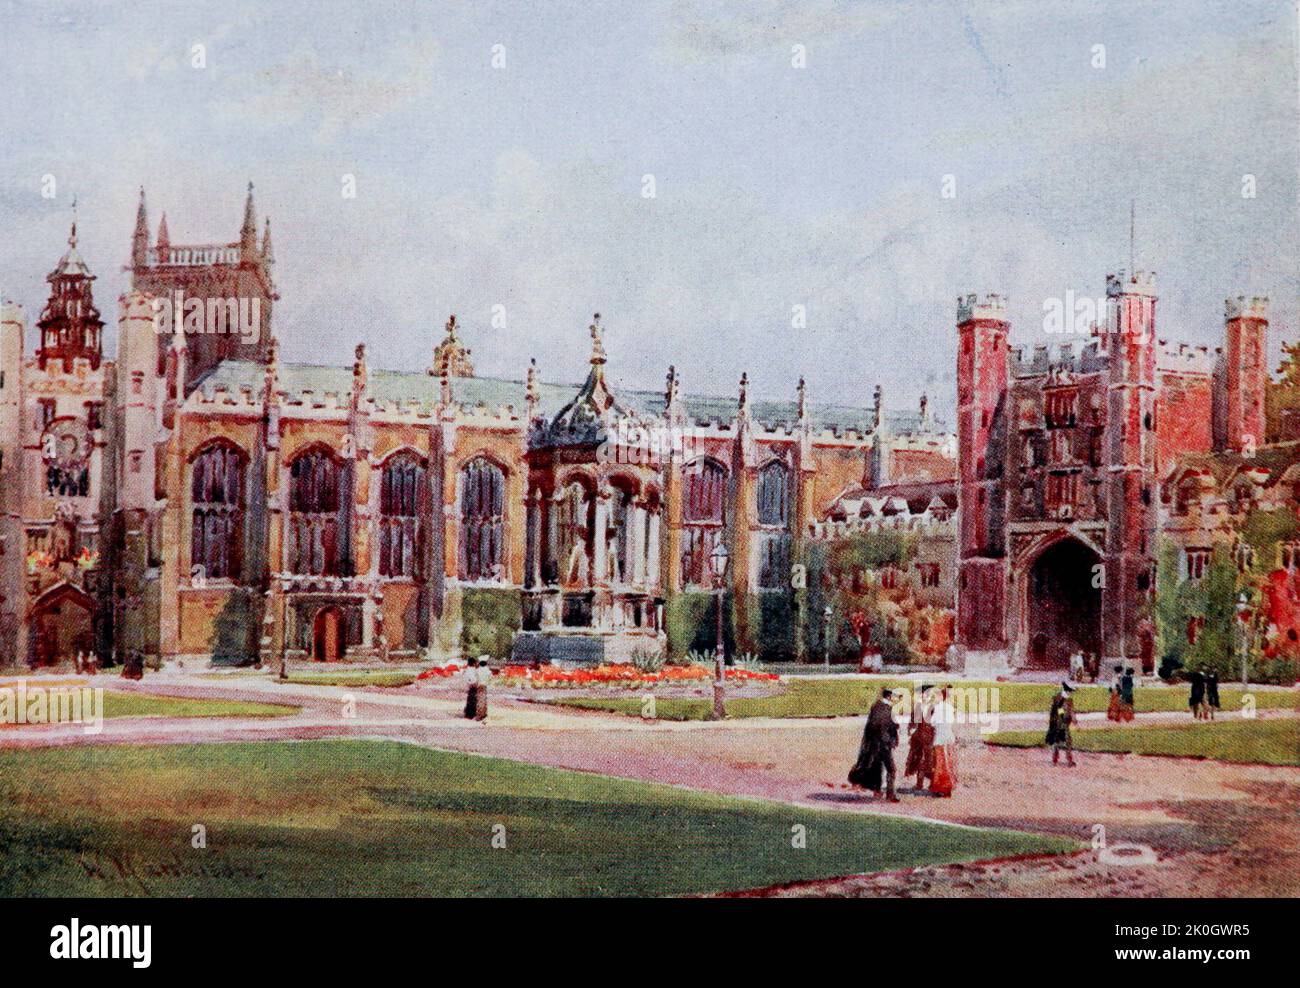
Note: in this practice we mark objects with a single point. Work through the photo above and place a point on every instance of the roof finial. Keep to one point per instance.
(451, 327)
(531, 391)
(803, 399)
(597, 343)
(671, 390)
(744, 391)
(72, 237)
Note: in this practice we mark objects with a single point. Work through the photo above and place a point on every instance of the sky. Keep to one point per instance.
(800, 154)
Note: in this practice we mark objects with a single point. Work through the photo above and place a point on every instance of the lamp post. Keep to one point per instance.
(718, 567)
(1244, 616)
(826, 636)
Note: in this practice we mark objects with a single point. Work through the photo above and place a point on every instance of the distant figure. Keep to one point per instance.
(1196, 699)
(481, 698)
(945, 745)
(1094, 667)
(78, 662)
(920, 747)
(1076, 664)
(1059, 719)
(1126, 695)
(133, 667)
(471, 693)
(1113, 708)
(1211, 694)
(876, 753)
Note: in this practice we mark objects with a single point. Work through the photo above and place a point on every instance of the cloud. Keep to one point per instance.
(333, 98)
(698, 33)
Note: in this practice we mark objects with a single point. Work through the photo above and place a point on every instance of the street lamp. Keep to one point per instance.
(718, 567)
(826, 636)
(1244, 616)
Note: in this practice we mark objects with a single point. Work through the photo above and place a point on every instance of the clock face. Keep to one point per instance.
(66, 444)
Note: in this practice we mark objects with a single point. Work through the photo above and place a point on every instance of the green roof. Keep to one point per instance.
(389, 386)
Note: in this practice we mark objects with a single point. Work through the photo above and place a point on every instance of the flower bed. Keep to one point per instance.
(441, 672)
(557, 677)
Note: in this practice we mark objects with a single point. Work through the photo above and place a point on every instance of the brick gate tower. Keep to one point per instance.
(1131, 491)
(982, 330)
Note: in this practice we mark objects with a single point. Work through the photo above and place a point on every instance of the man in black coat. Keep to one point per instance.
(876, 753)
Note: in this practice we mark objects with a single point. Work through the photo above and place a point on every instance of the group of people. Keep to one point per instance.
(932, 744)
(477, 675)
(1120, 707)
(1204, 698)
(1085, 667)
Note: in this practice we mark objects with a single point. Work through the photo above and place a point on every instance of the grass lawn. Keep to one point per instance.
(837, 697)
(118, 704)
(334, 818)
(359, 677)
(1263, 742)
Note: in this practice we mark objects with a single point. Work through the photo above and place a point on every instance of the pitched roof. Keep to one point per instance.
(390, 386)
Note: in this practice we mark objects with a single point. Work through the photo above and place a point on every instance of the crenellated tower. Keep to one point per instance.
(1130, 444)
(1246, 371)
(982, 331)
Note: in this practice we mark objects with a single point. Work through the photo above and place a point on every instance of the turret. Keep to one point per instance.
(982, 331)
(137, 399)
(1245, 353)
(1130, 442)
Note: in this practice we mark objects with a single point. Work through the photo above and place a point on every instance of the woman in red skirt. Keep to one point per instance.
(944, 717)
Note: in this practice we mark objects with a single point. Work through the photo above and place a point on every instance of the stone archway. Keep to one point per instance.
(1062, 607)
(62, 624)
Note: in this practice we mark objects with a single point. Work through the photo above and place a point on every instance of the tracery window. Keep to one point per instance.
(482, 520)
(704, 518)
(402, 496)
(217, 518)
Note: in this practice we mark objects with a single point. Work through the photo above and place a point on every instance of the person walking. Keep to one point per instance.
(1113, 706)
(1211, 694)
(471, 692)
(1196, 699)
(876, 753)
(1126, 695)
(920, 746)
(1059, 719)
(481, 698)
(944, 719)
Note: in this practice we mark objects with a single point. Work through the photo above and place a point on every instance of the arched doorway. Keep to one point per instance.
(1062, 605)
(62, 625)
(327, 635)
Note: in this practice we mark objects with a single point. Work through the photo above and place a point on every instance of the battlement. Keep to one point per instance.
(1139, 283)
(1186, 358)
(1063, 357)
(989, 306)
(198, 256)
(1241, 307)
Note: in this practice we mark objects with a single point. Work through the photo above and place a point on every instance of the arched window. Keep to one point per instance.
(315, 479)
(482, 520)
(774, 517)
(217, 521)
(402, 497)
(704, 518)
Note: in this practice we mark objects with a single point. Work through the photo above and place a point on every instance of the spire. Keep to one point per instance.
(140, 239)
(803, 400)
(597, 341)
(925, 412)
(451, 356)
(532, 393)
(268, 256)
(360, 375)
(878, 407)
(743, 406)
(248, 232)
(672, 391)
(72, 236)
(164, 239)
